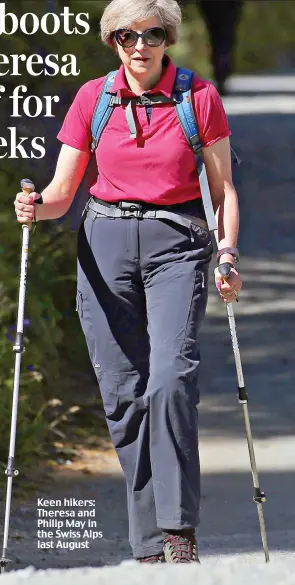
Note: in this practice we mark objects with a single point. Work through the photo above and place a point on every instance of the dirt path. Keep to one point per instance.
(265, 318)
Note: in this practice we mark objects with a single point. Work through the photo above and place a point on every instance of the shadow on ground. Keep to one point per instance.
(266, 324)
(229, 522)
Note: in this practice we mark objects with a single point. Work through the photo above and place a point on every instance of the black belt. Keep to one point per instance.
(142, 210)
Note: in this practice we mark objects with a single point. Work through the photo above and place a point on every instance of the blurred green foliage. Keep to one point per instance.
(265, 38)
(55, 348)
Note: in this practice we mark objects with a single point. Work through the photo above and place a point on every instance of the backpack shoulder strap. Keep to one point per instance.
(184, 108)
(187, 119)
(102, 111)
(101, 115)
(186, 114)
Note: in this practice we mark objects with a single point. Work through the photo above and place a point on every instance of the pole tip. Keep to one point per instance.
(4, 561)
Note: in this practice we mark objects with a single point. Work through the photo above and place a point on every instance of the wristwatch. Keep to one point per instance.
(232, 251)
(39, 201)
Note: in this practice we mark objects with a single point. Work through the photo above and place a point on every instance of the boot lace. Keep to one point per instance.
(182, 548)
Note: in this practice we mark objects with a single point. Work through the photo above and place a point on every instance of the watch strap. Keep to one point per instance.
(232, 251)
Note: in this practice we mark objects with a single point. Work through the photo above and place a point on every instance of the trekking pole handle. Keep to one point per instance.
(27, 187)
(224, 270)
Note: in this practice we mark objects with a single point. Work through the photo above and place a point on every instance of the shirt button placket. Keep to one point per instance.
(143, 120)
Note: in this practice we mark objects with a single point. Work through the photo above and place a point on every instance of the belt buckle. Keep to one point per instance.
(131, 209)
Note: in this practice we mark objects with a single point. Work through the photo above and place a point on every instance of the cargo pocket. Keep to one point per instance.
(189, 356)
(84, 313)
(196, 314)
(109, 386)
(83, 310)
(79, 300)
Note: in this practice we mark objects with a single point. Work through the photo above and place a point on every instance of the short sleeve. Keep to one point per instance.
(212, 120)
(76, 127)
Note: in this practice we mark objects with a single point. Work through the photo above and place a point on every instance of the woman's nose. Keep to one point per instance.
(140, 44)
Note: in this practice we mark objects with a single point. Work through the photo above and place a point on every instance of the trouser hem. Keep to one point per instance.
(175, 524)
(146, 551)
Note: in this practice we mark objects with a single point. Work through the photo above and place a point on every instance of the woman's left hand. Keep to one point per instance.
(230, 288)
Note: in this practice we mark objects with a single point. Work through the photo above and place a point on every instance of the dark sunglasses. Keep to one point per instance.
(153, 37)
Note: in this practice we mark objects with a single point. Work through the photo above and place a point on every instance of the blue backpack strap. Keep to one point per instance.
(186, 115)
(185, 112)
(101, 115)
(102, 111)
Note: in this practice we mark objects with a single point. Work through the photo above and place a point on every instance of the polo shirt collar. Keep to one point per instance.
(165, 84)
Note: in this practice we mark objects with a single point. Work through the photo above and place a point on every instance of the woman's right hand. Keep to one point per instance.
(25, 206)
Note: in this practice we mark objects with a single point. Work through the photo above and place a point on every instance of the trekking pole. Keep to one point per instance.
(224, 270)
(259, 496)
(18, 348)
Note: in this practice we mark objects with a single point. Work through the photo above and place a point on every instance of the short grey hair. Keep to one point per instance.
(121, 13)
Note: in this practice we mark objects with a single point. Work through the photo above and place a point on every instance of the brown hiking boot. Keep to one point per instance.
(152, 559)
(180, 547)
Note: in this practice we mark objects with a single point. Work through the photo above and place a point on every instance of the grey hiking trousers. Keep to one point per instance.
(141, 298)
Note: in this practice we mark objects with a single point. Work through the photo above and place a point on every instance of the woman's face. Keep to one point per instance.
(142, 59)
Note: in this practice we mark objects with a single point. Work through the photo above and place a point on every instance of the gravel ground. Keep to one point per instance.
(229, 572)
(230, 546)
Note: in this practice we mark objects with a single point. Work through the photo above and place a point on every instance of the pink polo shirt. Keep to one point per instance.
(159, 167)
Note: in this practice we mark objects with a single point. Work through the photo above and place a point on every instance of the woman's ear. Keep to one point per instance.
(113, 44)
